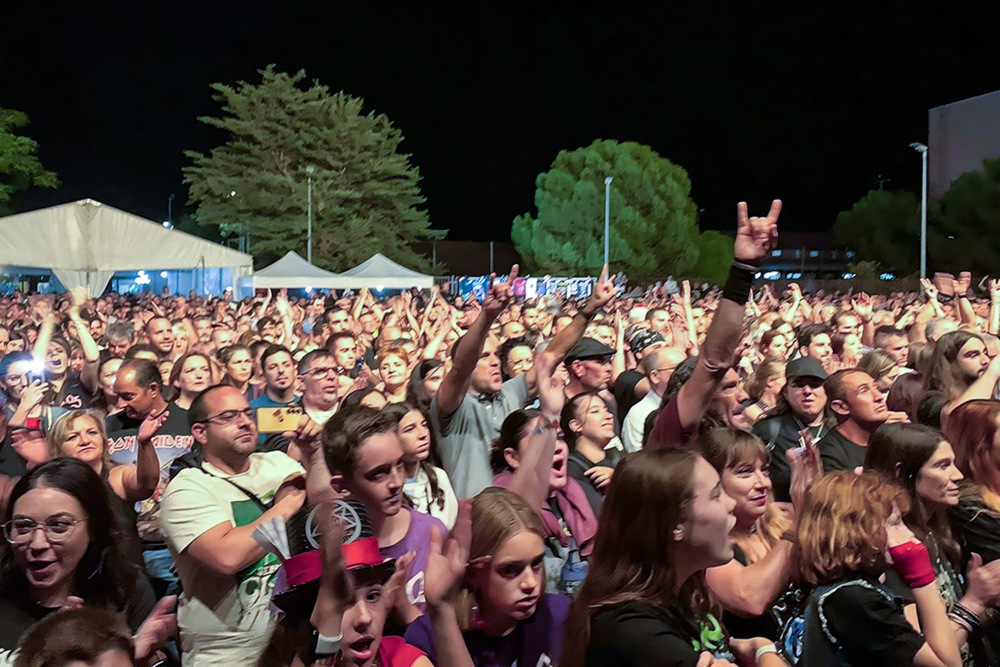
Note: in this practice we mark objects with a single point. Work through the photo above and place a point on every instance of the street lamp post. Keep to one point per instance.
(309, 205)
(607, 215)
(922, 149)
(170, 210)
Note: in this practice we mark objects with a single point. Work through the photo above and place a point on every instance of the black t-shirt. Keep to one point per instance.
(18, 615)
(634, 634)
(624, 392)
(12, 464)
(73, 395)
(780, 434)
(839, 453)
(857, 622)
(578, 465)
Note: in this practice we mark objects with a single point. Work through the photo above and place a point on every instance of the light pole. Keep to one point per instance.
(607, 215)
(170, 210)
(922, 149)
(309, 204)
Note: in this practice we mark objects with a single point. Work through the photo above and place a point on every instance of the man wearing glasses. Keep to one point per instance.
(320, 385)
(209, 516)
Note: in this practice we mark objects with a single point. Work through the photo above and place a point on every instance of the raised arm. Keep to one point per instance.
(755, 238)
(570, 335)
(138, 482)
(455, 384)
(91, 352)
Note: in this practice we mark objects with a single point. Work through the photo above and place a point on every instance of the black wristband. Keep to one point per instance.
(738, 284)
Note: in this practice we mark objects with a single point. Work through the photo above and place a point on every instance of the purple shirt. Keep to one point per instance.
(535, 642)
(417, 540)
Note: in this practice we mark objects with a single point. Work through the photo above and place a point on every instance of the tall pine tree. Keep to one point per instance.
(365, 193)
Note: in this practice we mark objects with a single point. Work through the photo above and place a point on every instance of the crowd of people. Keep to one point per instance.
(688, 477)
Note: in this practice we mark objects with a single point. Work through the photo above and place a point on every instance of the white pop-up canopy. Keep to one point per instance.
(293, 272)
(84, 243)
(380, 271)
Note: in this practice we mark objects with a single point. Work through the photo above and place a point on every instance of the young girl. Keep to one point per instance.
(486, 592)
(427, 486)
(588, 427)
(538, 474)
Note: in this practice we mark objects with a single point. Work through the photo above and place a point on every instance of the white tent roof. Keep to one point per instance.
(293, 272)
(380, 271)
(85, 242)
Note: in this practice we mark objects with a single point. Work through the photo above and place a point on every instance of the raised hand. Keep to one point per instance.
(604, 291)
(863, 306)
(445, 570)
(150, 426)
(995, 290)
(499, 295)
(756, 237)
(930, 291)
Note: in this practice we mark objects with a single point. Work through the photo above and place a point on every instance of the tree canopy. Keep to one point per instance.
(653, 229)
(883, 227)
(20, 167)
(963, 227)
(365, 193)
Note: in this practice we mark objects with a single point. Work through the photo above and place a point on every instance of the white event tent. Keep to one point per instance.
(381, 272)
(85, 243)
(292, 272)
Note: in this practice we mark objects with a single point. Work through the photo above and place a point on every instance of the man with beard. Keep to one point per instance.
(713, 388)
(160, 334)
(799, 414)
(473, 400)
(139, 388)
(859, 408)
(209, 516)
(814, 342)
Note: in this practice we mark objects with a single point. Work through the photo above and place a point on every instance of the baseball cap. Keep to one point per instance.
(804, 367)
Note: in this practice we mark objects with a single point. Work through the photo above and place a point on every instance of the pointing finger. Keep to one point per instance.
(604, 275)
(513, 274)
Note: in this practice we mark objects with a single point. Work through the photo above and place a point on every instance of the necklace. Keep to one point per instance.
(803, 427)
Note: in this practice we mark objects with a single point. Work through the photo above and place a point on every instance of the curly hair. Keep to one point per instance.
(842, 524)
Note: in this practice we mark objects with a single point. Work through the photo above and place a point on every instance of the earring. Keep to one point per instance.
(477, 620)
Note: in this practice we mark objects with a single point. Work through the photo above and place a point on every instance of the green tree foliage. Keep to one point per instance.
(653, 229)
(964, 226)
(715, 255)
(883, 227)
(365, 193)
(20, 168)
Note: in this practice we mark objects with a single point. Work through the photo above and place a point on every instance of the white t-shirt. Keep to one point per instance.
(418, 490)
(223, 620)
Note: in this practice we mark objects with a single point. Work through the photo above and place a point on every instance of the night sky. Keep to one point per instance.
(810, 102)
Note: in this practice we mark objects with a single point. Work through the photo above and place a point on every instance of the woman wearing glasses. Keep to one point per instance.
(60, 551)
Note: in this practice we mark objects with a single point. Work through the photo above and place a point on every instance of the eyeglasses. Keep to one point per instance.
(228, 417)
(22, 531)
(321, 373)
